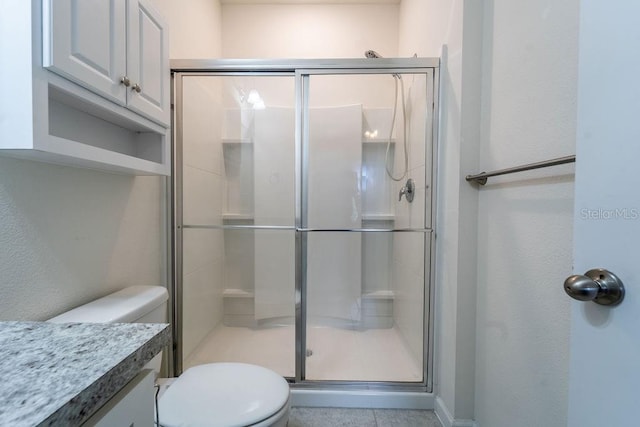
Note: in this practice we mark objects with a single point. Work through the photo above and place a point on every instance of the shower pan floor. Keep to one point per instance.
(337, 354)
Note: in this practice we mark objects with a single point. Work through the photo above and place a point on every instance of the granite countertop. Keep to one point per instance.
(60, 374)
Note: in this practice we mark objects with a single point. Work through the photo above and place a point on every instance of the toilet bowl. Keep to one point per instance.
(211, 395)
(225, 395)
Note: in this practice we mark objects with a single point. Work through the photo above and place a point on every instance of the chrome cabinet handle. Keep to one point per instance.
(125, 81)
(598, 285)
(137, 88)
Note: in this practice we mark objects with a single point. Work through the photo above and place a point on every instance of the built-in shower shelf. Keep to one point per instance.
(238, 308)
(377, 309)
(237, 217)
(377, 140)
(381, 294)
(378, 217)
(237, 293)
(237, 141)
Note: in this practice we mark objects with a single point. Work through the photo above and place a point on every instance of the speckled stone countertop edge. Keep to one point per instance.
(88, 401)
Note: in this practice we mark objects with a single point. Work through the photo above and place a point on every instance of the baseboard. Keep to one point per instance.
(361, 399)
(445, 417)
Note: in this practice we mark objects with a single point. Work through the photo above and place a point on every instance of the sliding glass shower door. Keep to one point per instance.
(238, 226)
(304, 220)
(366, 243)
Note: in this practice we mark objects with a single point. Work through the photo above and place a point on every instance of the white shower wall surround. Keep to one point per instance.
(261, 144)
(273, 153)
(334, 201)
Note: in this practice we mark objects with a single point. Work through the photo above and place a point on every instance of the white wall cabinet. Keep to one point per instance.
(117, 48)
(62, 100)
(85, 41)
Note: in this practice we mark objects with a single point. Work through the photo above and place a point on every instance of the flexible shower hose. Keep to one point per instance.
(404, 133)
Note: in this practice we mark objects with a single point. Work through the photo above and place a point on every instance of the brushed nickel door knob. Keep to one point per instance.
(598, 285)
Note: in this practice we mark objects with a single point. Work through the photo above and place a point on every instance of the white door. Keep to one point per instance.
(148, 61)
(604, 381)
(85, 41)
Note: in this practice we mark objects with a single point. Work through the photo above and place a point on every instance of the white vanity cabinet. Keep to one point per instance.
(116, 48)
(131, 406)
(63, 98)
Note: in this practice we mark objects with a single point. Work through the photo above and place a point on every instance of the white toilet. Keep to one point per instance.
(211, 395)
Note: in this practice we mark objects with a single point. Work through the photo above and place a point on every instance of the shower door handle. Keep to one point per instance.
(598, 285)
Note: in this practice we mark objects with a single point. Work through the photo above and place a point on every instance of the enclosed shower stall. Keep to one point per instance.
(304, 216)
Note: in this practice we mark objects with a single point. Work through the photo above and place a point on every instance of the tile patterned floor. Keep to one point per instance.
(341, 417)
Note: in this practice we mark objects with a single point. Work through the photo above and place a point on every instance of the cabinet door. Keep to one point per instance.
(85, 41)
(148, 62)
(131, 406)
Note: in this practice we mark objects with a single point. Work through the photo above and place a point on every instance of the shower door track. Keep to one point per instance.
(302, 69)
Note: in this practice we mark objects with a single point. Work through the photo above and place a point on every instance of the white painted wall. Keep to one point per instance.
(194, 27)
(425, 26)
(71, 235)
(308, 30)
(525, 221)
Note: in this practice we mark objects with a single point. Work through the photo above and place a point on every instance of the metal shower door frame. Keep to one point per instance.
(302, 70)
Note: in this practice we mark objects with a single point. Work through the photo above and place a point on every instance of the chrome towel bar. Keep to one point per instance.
(481, 178)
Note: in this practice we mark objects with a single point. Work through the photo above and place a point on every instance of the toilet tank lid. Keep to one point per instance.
(124, 306)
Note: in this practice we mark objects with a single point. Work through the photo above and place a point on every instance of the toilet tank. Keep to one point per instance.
(136, 304)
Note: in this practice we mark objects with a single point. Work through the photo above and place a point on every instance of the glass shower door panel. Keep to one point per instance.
(202, 281)
(258, 303)
(203, 181)
(334, 167)
(202, 288)
(238, 166)
(259, 149)
(365, 289)
(234, 309)
(373, 331)
(366, 136)
(239, 150)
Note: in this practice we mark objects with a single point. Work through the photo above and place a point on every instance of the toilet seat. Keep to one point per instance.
(224, 395)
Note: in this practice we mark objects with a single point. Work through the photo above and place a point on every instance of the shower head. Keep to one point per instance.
(372, 54)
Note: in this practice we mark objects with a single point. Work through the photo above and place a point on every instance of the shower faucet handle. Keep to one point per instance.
(409, 191)
(403, 190)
